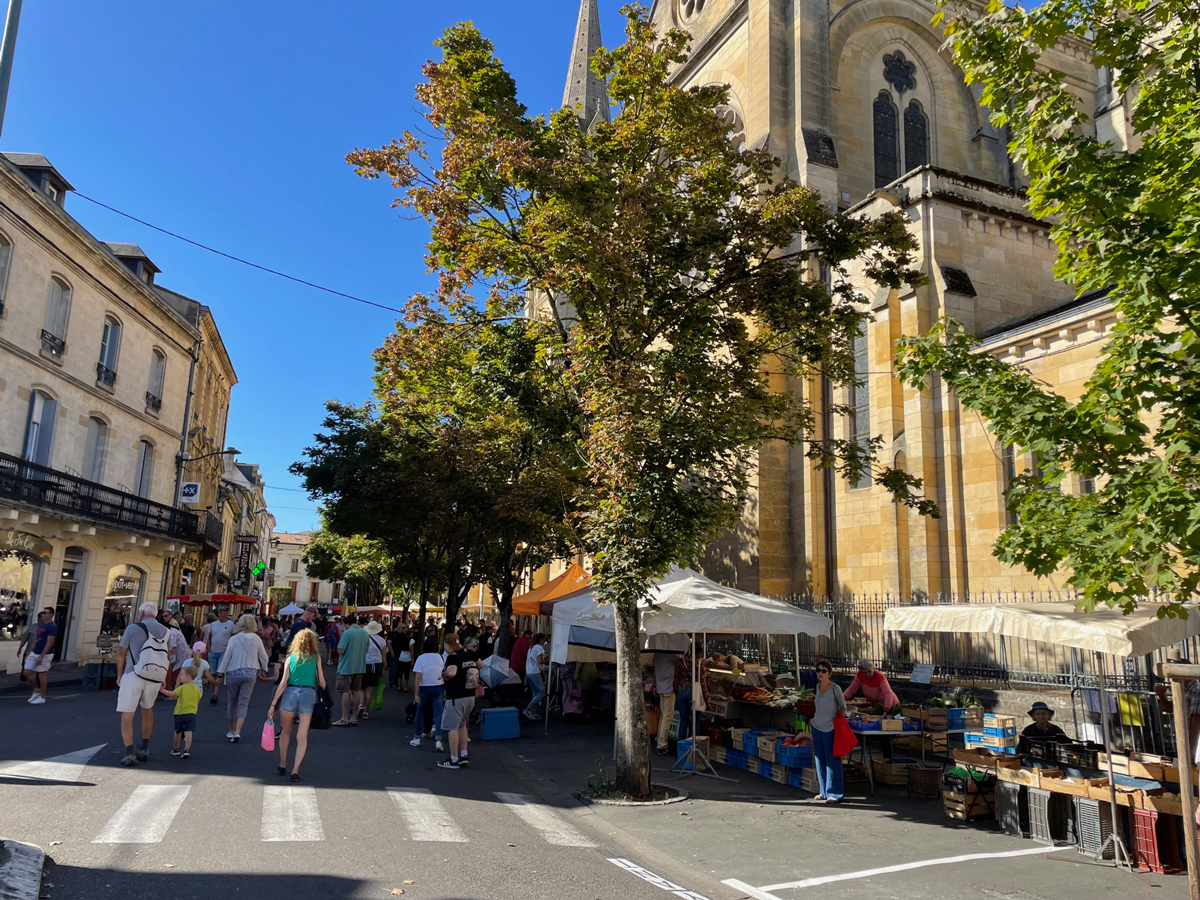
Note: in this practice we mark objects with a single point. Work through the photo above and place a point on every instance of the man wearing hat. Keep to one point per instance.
(376, 659)
(1042, 730)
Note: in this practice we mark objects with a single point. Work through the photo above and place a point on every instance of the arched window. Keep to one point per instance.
(145, 470)
(126, 587)
(39, 428)
(95, 450)
(689, 9)
(887, 140)
(916, 137)
(58, 305)
(5, 258)
(158, 371)
(110, 343)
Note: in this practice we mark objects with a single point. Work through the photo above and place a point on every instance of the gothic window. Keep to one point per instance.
(916, 137)
(899, 72)
(887, 140)
(689, 9)
(736, 127)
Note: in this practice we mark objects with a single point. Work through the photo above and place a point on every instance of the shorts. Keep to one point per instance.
(350, 682)
(370, 677)
(456, 713)
(298, 699)
(185, 723)
(135, 692)
(41, 663)
(214, 661)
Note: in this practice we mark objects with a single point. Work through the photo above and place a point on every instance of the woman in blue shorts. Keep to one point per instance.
(298, 690)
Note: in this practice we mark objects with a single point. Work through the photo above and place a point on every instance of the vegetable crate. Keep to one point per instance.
(1155, 848)
(968, 807)
(1006, 744)
(935, 719)
(1012, 808)
(716, 753)
(964, 717)
(1048, 816)
(1093, 823)
(992, 720)
(793, 757)
(894, 772)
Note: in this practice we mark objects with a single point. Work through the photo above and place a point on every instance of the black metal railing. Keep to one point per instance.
(105, 375)
(49, 489)
(210, 529)
(53, 344)
(153, 403)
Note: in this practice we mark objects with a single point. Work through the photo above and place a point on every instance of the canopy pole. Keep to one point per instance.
(1179, 675)
(1120, 853)
(797, 639)
(693, 755)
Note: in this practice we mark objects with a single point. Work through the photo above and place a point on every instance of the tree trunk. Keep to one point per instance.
(633, 739)
(503, 644)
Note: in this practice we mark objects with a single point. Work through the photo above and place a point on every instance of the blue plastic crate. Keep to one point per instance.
(793, 757)
(764, 768)
(735, 758)
(1008, 731)
(796, 778)
(499, 723)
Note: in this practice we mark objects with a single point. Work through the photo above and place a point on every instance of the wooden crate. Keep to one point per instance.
(935, 719)
(892, 724)
(910, 712)
(966, 807)
(983, 760)
(1079, 787)
(886, 772)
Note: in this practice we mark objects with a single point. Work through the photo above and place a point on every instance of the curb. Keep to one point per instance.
(21, 687)
(21, 873)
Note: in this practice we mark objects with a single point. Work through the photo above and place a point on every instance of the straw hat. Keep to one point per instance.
(374, 627)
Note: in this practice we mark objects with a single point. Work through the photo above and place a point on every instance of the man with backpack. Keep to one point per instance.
(143, 663)
(461, 677)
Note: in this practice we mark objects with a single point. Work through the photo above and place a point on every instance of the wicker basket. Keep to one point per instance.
(924, 783)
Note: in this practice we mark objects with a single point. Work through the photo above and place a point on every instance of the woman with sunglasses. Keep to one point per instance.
(829, 701)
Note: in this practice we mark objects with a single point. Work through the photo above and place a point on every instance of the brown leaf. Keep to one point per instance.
(512, 845)
(397, 891)
(409, 881)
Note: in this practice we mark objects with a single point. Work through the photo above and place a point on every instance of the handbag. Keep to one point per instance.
(844, 740)
(268, 735)
(377, 701)
(322, 709)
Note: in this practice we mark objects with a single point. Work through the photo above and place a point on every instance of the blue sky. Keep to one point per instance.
(229, 123)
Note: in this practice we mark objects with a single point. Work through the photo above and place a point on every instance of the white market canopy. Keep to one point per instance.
(291, 610)
(1104, 630)
(685, 602)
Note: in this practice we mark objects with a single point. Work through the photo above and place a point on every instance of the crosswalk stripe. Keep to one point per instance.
(425, 816)
(146, 816)
(548, 824)
(291, 814)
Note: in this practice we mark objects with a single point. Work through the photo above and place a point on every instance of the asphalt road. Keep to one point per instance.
(223, 824)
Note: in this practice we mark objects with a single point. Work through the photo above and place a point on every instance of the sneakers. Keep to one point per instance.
(212, 701)
(415, 742)
(439, 747)
(449, 764)
(143, 755)
(531, 716)
(130, 760)
(186, 754)
(235, 739)
(37, 700)
(176, 752)
(463, 761)
(229, 735)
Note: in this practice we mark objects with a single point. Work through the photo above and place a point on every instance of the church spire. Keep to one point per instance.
(585, 90)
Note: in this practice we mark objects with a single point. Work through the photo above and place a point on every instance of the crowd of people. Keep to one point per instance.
(160, 657)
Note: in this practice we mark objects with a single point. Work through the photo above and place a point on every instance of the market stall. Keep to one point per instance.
(540, 601)
(237, 603)
(1106, 633)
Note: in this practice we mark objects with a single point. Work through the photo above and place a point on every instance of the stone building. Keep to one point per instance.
(285, 568)
(860, 102)
(96, 366)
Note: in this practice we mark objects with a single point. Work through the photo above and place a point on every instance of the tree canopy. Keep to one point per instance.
(1127, 221)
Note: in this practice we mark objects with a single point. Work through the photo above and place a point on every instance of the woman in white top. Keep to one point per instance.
(244, 661)
(377, 651)
(427, 691)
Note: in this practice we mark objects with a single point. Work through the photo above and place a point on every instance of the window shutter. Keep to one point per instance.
(5, 257)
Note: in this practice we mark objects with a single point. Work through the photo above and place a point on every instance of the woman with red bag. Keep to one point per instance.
(830, 704)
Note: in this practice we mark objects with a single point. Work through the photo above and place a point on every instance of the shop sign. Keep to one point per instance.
(123, 586)
(190, 492)
(29, 544)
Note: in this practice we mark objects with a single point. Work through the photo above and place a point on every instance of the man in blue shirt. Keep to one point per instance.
(37, 663)
(352, 663)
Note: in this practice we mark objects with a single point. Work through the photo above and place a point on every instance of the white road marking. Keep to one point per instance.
(764, 892)
(548, 824)
(291, 814)
(146, 816)
(657, 880)
(425, 816)
(67, 767)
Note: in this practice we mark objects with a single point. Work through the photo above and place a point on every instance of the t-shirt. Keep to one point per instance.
(197, 677)
(466, 676)
(298, 626)
(374, 649)
(219, 634)
(45, 631)
(187, 699)
(533, 661)
(352, 652)
(302, 671)
(134, 638)
(517, 659)
(429, 667)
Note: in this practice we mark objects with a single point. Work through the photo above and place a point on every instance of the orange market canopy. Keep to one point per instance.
(541, 600)
(215, 600)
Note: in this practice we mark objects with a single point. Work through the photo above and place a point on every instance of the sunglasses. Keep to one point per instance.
(822, 671)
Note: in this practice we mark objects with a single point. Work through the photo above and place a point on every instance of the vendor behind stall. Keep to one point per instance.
(1042, 730)
(874, 686)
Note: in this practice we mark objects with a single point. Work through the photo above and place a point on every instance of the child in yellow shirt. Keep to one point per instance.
(187, 703)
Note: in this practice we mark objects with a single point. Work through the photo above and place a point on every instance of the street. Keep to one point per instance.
(374, 815)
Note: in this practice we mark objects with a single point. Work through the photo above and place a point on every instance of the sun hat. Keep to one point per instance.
(1040, 705)
(373, 627)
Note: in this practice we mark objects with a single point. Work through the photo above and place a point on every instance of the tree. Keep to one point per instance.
(1125, 220)
(691, 272)
(361, 562)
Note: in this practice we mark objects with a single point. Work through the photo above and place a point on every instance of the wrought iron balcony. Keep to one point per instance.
(211, 530)
(55, 492)
(53, 344)
(105, 375)
(153, 403)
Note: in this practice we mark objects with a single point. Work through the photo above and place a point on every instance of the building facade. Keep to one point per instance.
(94, 385)
(861, 102)
(285, 568)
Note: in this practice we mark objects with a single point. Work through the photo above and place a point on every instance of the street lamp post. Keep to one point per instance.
(8, 49)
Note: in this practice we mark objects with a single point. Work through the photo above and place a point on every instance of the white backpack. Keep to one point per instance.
(153, 662)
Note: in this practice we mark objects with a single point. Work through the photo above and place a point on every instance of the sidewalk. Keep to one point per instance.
(62, 674)
(759, 834)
